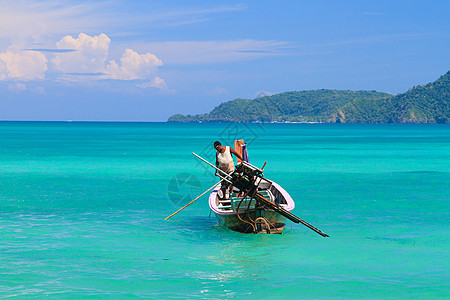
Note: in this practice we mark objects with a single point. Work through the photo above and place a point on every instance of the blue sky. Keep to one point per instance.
(147, 60)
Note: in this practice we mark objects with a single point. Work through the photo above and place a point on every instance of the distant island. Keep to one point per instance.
(420, 104)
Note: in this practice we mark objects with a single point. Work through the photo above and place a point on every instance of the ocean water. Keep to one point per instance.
(82, 208)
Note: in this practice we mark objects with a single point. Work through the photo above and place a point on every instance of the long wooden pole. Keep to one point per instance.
(192, 201)
(217, 169)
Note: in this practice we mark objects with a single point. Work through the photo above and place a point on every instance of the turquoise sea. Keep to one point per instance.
(82, 208)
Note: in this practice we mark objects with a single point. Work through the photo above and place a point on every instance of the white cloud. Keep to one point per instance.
(156, 83)
(17, 87)
(159, 83)
(201, 52)
(90, 55)
(24, 19)
(89, 58)
(185, 15)
(27, 65)
(133, 66)
(38, 21)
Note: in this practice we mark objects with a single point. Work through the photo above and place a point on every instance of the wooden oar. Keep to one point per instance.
(193, 201)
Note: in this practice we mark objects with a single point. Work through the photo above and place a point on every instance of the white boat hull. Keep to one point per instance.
(241, 223)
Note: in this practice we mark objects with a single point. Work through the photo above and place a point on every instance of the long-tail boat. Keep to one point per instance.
(256, 204)
(251, 217)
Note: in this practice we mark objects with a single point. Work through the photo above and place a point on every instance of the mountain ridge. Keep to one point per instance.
(429, 103)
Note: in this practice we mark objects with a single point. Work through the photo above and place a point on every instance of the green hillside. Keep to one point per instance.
(421, 104)
(304, 106)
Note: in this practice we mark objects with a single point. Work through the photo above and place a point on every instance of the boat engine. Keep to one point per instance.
(245, 175)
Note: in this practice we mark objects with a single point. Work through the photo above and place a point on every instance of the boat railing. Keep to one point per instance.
(236, 201)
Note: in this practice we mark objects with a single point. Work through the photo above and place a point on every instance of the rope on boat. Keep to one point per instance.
(253, 196)
(264, 221)
(252, 222)
(237, 212)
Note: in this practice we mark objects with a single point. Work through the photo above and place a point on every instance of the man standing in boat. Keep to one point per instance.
(224, 161)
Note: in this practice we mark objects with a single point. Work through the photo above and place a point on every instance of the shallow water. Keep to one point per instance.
(82, 208)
